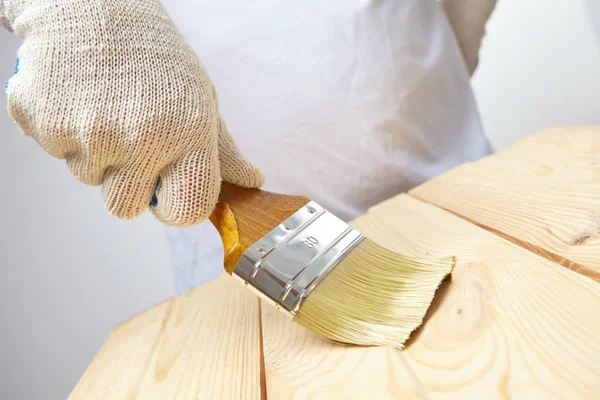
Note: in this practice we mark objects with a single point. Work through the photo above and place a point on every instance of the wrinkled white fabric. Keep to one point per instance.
(348, 102)
(468, 19)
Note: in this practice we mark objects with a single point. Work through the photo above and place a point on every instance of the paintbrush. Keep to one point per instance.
(320, 271)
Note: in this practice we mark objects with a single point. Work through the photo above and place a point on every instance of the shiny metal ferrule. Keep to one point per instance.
(286, 264)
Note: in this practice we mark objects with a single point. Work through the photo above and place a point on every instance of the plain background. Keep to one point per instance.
(70, 272)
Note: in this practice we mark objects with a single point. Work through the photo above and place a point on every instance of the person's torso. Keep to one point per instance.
(346, 102)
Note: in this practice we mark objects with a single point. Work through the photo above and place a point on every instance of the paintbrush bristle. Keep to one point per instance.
(373, 297)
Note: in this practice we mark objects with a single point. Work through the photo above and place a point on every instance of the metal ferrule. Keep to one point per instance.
(286, 264)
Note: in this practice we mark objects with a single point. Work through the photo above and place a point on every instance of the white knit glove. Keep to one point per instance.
(468, 19)
(112, 87)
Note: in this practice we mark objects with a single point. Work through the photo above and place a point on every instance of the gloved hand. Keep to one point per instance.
(468, 19)
(112, 87)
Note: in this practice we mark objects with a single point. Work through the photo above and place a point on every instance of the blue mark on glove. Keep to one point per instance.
(14, 73)
(154, 201)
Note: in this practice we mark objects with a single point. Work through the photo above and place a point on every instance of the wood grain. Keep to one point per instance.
(543, 194)
(116, 369)
(300, 365)
(204, 345)
(508, 324)
(579, 138)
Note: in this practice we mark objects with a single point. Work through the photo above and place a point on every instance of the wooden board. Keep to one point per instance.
(204, 345)
(581, 139)
(115, 371)
(543, 194)
(300, 365)
(508, 324)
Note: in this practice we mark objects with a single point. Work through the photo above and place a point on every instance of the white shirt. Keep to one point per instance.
(348, 102)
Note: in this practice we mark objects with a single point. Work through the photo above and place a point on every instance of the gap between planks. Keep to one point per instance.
(183, 348)
(263, 376)
(412, 375)
(557, 258)
(493, 325)
(301, 365)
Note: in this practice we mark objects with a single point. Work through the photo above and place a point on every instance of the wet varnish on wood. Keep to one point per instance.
(518, 318)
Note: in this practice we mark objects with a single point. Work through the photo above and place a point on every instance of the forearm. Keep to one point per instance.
(468, 19)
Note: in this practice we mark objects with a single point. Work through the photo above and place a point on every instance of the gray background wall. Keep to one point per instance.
(70, 273)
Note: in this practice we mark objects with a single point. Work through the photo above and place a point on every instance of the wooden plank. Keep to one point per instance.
(115, 371)
(543, 194)
(300, 365)
(508, 324)
(210, 348)
(207, 346)
(581, 138)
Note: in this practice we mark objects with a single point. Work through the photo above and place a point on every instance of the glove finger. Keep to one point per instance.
(235, 168)
(188, 189)
(85, 169)
(128, 192)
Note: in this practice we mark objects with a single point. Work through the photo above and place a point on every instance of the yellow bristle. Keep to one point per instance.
(373, 297)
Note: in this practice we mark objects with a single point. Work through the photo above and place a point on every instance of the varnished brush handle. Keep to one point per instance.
(243, 216)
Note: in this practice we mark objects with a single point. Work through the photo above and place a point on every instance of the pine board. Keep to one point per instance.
(204, 345)
(300, 365)
(543, 194)
(114, 373)
(508, 324)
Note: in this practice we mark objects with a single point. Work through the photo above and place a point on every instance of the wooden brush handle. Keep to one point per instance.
(243, 216)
